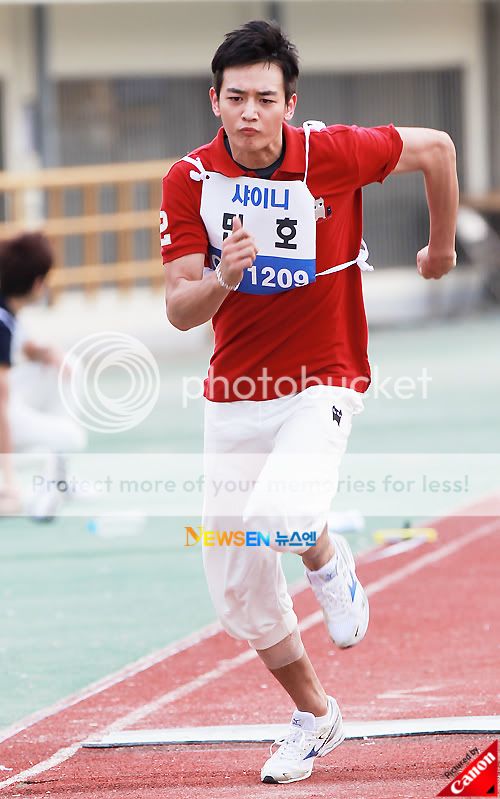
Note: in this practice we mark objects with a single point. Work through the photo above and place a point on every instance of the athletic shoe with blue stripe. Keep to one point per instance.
(294, 759)
(341, 596)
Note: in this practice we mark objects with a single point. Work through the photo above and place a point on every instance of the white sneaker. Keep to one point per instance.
(295, 757)
(46, 501)
(341, 596)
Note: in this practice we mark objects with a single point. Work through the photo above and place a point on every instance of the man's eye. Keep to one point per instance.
(265, 100)
(234, 98)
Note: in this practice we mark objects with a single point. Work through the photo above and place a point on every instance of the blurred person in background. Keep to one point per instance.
(262, 233)
(32, 416)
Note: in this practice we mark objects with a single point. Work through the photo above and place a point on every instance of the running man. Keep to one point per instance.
(262, 233)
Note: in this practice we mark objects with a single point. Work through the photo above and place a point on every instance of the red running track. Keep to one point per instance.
(432, 650)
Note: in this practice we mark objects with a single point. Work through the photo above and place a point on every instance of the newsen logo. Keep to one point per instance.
(248, 538)
(225, 538)
(479, 778)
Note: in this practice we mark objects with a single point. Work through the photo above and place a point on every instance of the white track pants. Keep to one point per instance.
(284, 456)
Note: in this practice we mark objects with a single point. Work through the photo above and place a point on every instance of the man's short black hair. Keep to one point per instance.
(23, 259)
(255, 42)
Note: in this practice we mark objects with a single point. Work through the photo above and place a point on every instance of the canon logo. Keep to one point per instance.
(458, 786)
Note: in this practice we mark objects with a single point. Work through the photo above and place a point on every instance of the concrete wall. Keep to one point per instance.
(346, 35)
(384, 34)
(142, 38)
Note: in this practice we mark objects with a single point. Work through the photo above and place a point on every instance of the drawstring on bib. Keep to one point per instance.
(311, 124)
(201, 174)
(361, 260)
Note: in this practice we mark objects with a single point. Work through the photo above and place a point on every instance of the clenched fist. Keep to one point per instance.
(432, 266)
(238, 253)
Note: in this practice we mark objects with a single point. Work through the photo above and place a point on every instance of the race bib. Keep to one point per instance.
(279, 215)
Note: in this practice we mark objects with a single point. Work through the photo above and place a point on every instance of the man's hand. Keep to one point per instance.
(238, 253)
(432, 266)
(50, 356)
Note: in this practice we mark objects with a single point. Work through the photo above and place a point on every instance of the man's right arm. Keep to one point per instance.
(192, 298)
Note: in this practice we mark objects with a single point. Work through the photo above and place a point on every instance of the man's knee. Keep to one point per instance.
(260, 628)
(282, 654)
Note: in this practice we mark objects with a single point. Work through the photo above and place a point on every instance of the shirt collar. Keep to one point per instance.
(5, 305)
(294, 162)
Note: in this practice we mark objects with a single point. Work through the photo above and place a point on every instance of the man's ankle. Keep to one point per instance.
(318, 556)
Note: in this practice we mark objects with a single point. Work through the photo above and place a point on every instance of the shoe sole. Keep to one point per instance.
(272, 781)
(338, 735)
(362, 627)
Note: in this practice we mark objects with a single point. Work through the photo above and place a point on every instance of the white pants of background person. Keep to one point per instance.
(294, 444)
(39, 421)
(42, 425)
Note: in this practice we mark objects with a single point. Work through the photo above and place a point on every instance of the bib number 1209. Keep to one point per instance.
(283, 278)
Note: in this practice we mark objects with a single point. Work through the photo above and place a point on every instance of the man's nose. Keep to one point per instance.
(250, 110)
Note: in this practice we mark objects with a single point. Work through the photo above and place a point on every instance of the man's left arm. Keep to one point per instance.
(42, 354)
(433, 153)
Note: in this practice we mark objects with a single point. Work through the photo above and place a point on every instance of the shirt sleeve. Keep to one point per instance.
(5, 345)
(376, 151)
(182, 230)
(356, 156)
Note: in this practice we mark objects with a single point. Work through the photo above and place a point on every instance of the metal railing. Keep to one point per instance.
(92, 217)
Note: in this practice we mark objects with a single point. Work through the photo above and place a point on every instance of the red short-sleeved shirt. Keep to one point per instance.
(267, 346)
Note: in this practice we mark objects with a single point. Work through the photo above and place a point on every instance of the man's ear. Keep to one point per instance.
(40, 285)
(214, 101)
(290, 107)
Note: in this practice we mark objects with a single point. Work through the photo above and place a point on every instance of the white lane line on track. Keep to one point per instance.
(55, 760)
(130, 670)
(225, 666)
(136, 715)
(110, 680)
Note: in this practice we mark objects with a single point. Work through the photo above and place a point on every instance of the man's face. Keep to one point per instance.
(252, 107)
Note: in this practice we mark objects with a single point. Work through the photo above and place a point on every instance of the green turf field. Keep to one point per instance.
(75, 606)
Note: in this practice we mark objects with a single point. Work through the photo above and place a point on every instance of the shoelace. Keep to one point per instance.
(292, 745)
